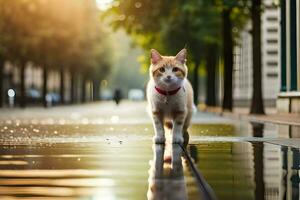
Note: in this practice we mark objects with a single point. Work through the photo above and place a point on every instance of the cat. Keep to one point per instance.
(170, 97)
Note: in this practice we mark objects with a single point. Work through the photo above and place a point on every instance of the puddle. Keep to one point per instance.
(91, 171)
(92, 160)
(245, 170)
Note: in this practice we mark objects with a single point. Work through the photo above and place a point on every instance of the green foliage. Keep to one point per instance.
(240, 13)
(171, 25)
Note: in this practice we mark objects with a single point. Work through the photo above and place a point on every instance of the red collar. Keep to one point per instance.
(164, 92)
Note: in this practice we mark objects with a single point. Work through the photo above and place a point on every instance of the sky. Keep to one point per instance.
(103, 4)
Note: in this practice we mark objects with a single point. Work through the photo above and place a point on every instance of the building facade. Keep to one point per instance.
(270, 59)
(289, 96)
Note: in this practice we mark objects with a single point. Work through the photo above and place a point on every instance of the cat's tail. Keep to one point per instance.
(186, 138)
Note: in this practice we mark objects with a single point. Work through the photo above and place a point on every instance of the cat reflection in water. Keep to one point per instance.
(166, 179)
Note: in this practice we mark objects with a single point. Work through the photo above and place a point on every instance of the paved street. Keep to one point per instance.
(101, 151)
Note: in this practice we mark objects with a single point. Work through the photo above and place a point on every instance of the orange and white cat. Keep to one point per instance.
(170, 96)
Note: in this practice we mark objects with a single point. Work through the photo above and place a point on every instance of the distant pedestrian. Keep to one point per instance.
(117, 96)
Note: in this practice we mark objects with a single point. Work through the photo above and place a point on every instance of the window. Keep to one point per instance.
(272, 52)
(272, 30)
(272, 41)
(273, 19)
(272, 63)
(272, 75)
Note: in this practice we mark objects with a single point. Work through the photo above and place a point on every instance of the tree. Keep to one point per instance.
(2, 60)
(228, 59)
(160, 24)
(237, 12)
(18, 36)
(53, 35)
(234, 14)
(211, 66)
(1, 82)
(257, 106)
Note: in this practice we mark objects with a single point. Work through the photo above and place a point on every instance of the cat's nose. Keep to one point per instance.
(168, 77)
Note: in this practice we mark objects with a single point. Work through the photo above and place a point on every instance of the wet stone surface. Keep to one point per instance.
(100, 151)
(91, 170)
(244, 170)
(76, 171)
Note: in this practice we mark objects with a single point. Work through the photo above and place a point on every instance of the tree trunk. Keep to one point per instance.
(45, 83)
(228, 59)
(22, 97)
(96, 88)
(83, 90)
(257, 106)
(90, 90)
(211, 62)
(62, 86)
(1, 82)
(73, 98)
(196, 82)
(258, 151)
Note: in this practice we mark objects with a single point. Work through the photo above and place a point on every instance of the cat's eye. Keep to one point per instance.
(175, 69)
(162, 69)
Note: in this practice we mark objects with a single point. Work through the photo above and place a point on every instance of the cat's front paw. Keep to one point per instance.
(178, 140)
(159, 139)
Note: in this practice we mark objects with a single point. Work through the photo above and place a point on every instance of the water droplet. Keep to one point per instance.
(138, 4)
(36, 130)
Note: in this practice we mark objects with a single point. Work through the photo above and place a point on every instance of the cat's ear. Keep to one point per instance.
(155, 56)
(181, 56)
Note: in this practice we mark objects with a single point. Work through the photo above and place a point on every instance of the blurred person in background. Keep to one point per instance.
(117, 96)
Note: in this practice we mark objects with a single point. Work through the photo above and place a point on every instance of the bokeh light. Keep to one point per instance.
(103, 4)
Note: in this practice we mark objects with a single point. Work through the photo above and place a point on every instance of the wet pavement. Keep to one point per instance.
(100, 151)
